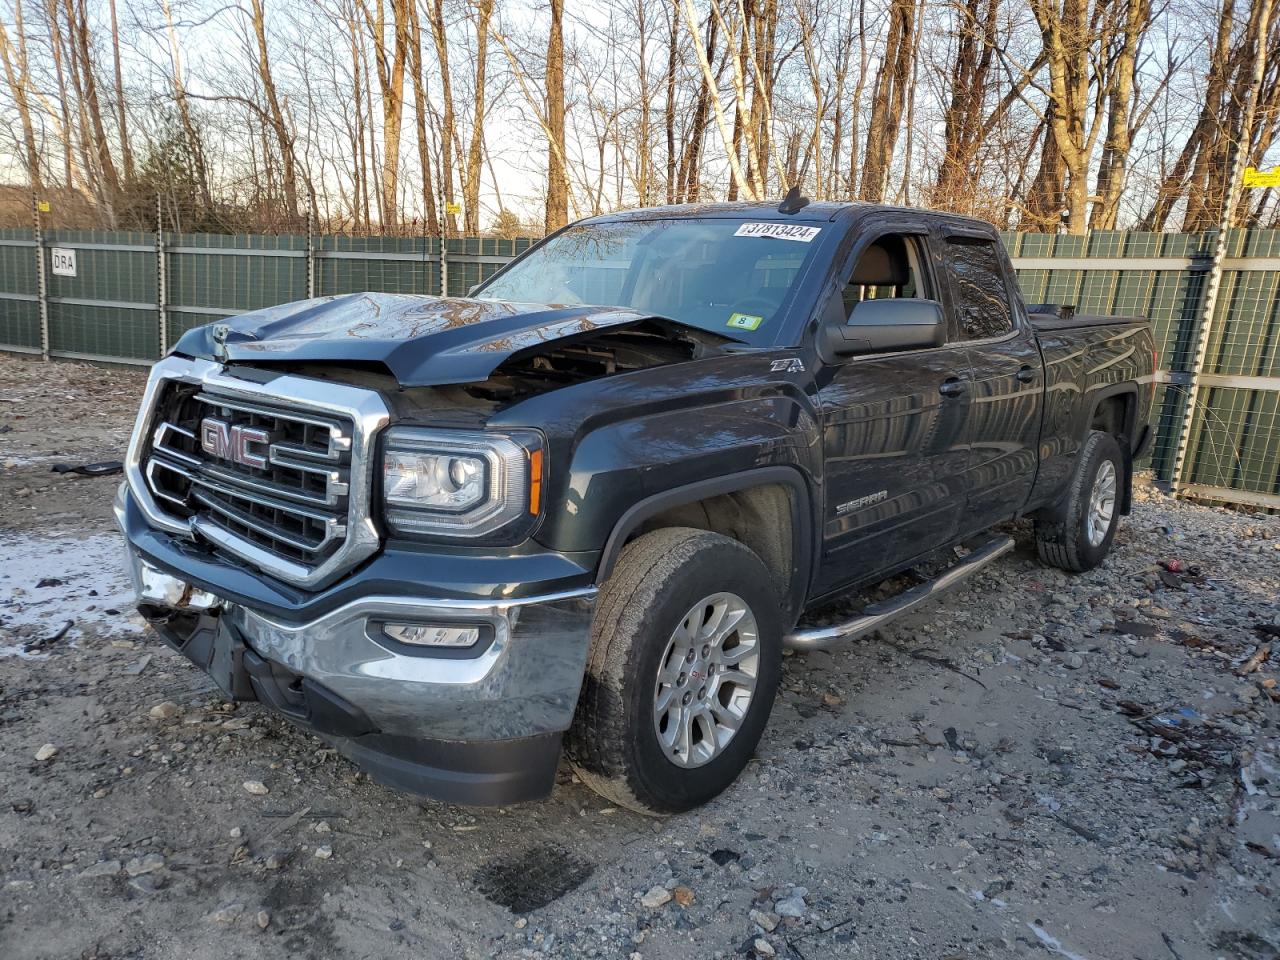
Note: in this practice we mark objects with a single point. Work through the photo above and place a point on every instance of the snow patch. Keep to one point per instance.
(1052, 943)
(86, 581)
(10, 460)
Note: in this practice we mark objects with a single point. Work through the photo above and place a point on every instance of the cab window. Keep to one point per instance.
(982, 298)
(889, 267)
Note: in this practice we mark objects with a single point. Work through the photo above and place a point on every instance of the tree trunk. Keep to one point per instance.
(888, 99)
(557, 208)
(471, 192)
(78, 27)
(448, 129)
(280, 129)
(390, 69)
(15, 72)
(122, 115)
(1043, 208)
(669, 110)
(418, 70)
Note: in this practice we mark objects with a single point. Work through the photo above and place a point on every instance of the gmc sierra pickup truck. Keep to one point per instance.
(588, 506)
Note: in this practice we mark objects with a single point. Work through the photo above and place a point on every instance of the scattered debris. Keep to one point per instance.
(1254, 662)
(228, 913)
(51, 639)
(47, 752)
(255, 787)
(655, 897)
(149, 863)
(104, 468)
(103, 868)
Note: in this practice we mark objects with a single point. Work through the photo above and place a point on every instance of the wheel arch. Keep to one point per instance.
(1115, 411)
(712, 504)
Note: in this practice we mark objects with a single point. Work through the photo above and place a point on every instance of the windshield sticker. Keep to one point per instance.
(779, 231)
(744, 321)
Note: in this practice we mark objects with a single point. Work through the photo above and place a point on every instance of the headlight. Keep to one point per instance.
(459, 483)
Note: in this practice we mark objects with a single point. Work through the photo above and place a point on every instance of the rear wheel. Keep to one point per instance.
(685, 656)
(1077, 536)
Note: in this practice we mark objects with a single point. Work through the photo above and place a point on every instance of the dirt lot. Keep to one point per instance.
(1038, 765)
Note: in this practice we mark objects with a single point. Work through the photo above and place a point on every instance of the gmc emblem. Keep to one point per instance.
(228, 442)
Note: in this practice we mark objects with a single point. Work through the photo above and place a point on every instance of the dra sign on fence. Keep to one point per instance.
(62, 261)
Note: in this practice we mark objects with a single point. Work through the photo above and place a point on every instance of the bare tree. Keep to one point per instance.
(18, 76)
(471, 190)
(887, 99)
(557, 210)
(390, 55)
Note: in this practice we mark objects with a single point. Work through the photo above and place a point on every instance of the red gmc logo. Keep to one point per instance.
(233, 443)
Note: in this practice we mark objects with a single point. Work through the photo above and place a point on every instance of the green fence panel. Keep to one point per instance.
(19, 312)
(109, 310)
(353, 265)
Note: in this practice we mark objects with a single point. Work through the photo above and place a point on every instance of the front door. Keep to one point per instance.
(892, 431)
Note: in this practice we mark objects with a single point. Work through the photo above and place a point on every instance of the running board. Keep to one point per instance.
(878, 614)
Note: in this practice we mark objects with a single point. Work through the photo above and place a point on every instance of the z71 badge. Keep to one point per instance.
(787, 365)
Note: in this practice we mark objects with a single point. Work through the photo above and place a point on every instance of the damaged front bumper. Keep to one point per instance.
(476, 725)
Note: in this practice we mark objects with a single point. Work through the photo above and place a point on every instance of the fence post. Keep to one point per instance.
(42, 281)
(311, 244)
(162, 280)
(444, 264)
(1213, 281)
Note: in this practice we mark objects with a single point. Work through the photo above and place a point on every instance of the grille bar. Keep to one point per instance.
(336, 486)
(270, 531)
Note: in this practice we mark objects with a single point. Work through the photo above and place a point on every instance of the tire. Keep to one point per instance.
(621, 744)
(1073, 535)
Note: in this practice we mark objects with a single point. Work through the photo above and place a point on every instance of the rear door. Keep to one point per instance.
(1003, 427)
(892, 426)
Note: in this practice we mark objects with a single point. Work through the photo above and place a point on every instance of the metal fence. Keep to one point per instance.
(134, 294)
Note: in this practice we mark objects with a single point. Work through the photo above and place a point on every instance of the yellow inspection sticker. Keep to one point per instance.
(744, 321)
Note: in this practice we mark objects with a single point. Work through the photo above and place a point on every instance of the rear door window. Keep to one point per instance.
(982, 298)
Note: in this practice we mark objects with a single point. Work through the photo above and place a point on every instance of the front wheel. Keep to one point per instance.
(686, 651)
(1077, 536)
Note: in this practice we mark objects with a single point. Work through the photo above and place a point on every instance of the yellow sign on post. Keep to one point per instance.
(43, 206)
(453, 209)
(1262, 178)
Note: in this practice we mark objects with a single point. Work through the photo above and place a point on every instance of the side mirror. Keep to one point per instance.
(878, 326)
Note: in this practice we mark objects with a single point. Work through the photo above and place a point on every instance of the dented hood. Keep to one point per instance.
(423, 341)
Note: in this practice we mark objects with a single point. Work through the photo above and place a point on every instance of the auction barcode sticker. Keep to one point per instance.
(779, 231)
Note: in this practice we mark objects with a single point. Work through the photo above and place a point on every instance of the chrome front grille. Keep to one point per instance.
(292, 500)
(277, 473)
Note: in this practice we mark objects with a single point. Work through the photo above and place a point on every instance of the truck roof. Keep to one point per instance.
(822, 211)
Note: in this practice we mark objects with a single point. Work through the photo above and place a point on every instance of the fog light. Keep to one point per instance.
(432, 635)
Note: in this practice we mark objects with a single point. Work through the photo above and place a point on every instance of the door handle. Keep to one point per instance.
(953, 387)
(1026, 374)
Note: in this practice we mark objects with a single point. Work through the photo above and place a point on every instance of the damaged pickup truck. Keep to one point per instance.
(588, 506)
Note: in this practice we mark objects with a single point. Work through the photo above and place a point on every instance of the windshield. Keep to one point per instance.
(727, 276)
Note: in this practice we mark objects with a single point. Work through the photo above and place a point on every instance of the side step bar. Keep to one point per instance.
(878, 614)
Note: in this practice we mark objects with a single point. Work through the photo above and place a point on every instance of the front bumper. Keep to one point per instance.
(475, 726)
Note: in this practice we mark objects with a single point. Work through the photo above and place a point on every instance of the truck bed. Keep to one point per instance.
(1043, 320)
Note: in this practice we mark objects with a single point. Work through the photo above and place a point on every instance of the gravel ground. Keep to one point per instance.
(1084, 767)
